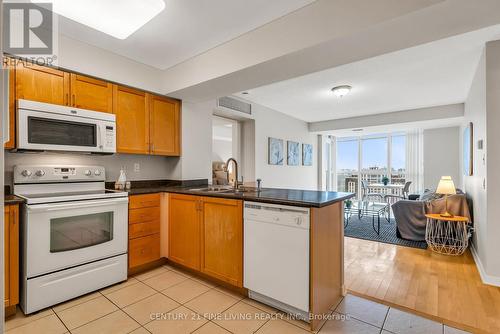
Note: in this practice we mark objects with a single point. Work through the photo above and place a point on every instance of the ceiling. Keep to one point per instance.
(185, 28)
(431, 74)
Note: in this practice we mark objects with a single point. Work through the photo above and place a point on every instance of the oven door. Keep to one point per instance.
(39, 130)
(63, 235)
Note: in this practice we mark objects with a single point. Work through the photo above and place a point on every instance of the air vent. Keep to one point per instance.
(234, 104)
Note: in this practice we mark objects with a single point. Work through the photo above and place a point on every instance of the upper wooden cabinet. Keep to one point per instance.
(222, 240)
(184, 230)
(164, 126)
(90, 93)
(132, 118)
(42, 84)
(12, 110)
(146, 123)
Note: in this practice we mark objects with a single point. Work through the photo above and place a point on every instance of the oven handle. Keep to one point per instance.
(82, 204)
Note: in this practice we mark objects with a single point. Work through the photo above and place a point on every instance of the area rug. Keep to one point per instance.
(362, 229)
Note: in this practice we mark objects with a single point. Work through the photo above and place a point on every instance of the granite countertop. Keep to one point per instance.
(303, 198)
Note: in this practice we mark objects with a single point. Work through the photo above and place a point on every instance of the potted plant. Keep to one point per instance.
(348, 203)
(385, 180)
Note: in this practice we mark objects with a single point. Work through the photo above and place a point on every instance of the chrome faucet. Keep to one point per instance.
(235, 171)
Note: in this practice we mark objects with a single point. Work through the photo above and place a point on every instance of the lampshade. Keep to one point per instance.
(446, 186)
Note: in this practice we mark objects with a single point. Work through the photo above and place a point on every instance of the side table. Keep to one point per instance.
(447, 235)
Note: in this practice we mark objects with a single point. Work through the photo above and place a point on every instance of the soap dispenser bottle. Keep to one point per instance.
(122, 179)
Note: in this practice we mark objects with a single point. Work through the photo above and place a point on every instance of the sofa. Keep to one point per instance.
(410, 214)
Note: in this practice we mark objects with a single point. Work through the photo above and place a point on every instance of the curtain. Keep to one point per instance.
(415, 160)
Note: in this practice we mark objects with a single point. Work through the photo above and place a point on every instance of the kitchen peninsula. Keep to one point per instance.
(208, 231)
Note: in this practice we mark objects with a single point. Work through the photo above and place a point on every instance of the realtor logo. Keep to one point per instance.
(28, 29)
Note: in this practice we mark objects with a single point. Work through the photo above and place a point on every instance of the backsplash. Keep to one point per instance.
(151, 167)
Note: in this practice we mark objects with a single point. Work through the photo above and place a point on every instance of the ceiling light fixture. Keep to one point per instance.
(341, 91)
(245, 93)
(118, 19)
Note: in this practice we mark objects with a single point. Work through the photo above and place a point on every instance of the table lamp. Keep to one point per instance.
(446, 187)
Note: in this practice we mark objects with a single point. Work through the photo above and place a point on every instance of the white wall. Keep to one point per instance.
(493, 157)
(482, 108)
(441, 155)
(84, 58)
(270, 123)
(475, 112)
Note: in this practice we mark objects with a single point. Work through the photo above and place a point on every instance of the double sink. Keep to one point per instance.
(225, 190)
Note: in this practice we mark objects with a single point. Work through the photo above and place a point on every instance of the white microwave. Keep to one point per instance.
(50, 127)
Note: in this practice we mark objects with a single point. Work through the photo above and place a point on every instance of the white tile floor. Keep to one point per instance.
(166, 300)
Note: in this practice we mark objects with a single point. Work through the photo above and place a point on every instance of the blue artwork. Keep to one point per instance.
(467, 147)
(307, 154)
(275, 151)
(293, 153)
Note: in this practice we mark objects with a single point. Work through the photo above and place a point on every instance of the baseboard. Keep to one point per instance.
(487, 279)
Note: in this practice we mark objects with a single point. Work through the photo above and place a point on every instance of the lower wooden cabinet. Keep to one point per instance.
(184, 227)
(206, 234)
(11, 255)
(143, 250)
(143, 229)
(222, 240)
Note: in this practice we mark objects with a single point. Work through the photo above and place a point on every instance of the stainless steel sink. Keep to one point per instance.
(212, 189)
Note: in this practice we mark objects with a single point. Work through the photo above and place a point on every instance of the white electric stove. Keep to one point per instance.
(74, 233)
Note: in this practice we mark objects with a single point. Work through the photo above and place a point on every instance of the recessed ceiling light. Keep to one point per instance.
(245, 93)
(341, 91)
(119, 19)
(357, 130)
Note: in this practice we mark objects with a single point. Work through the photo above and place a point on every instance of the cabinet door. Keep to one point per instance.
(42, 84)
(12, 109)
(132, 120)
(90, 93)
(164, 125)
(184, 230)
(11, 256)
(222, 239)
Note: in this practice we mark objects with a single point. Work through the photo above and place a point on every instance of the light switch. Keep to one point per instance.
(137, 167)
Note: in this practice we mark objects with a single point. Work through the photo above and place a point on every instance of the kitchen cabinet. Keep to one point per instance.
(146, 123)
(90, 93)
(143, 229)
(42, 84)
(206, 234)
(184, 228)
(164, 126)
(11, 257)
(12, 110)
(132, 119)
(222, 239)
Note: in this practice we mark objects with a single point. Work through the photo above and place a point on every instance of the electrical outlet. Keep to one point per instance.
(137, 167)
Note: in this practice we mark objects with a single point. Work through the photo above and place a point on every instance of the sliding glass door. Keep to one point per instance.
(370, 159)
(347, 164)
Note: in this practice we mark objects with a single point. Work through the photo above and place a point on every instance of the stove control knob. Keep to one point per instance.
(87, 172)
(97, 172)
(40, 173)
(26, 173)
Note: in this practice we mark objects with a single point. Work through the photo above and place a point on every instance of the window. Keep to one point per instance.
(374, 157)
(398, 158)
(347, 165)
(370, 158)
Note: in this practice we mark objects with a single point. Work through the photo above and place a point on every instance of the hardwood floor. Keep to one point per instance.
(444, 288)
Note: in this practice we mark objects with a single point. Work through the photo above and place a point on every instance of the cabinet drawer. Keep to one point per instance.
(143, 215)
(143, 229)
(143, 250)
(144, 201)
